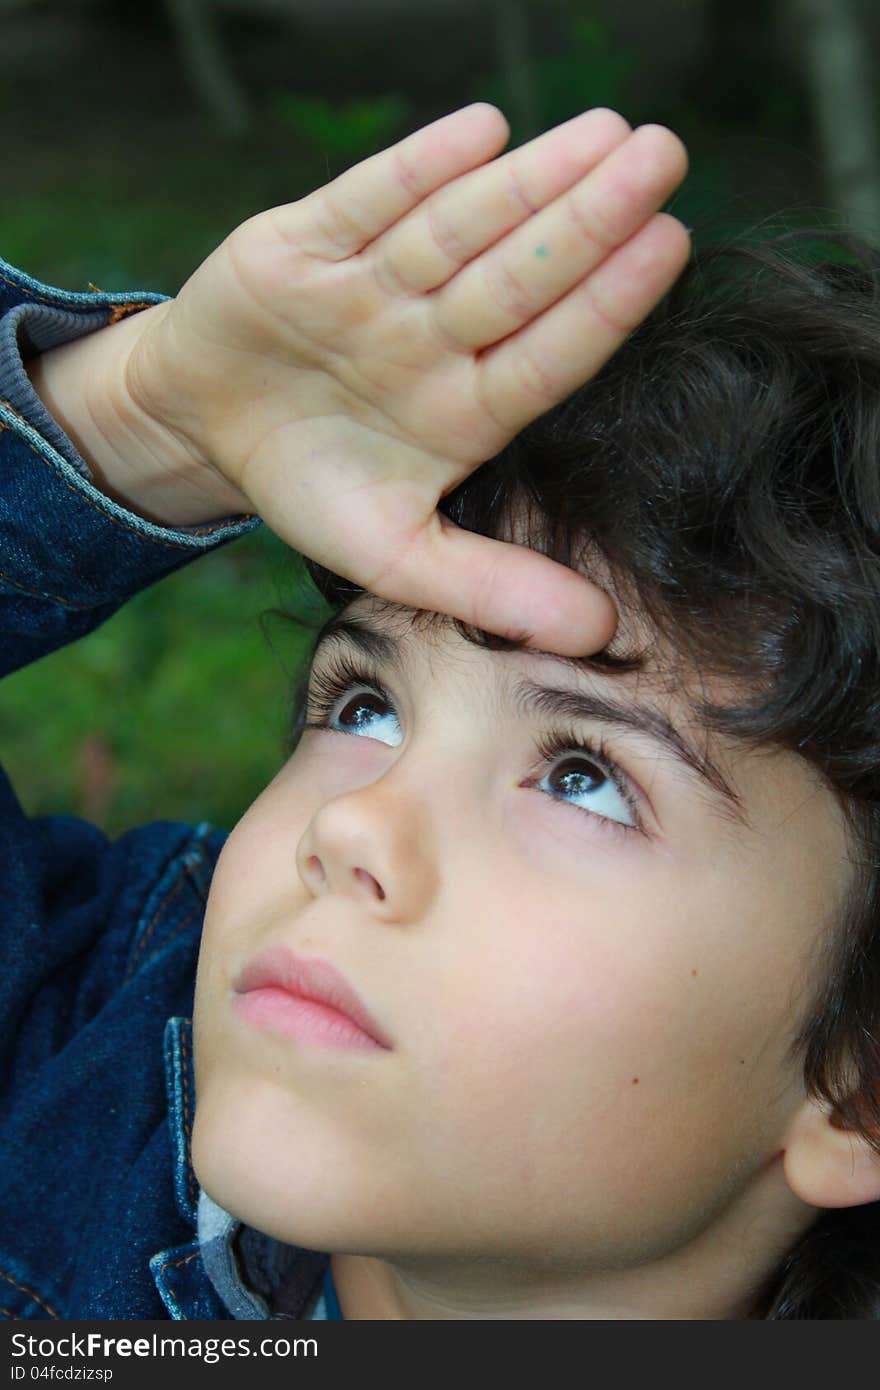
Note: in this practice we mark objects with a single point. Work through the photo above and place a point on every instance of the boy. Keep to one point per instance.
(497, 979)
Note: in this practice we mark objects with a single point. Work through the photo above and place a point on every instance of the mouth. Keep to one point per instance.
(306, 999)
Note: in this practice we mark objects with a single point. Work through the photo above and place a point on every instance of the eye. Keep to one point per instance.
(368, 710)
(587, 779)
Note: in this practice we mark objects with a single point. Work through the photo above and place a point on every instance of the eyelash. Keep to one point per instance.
(325, 688)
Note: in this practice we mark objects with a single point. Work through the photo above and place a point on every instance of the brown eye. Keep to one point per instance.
(361, 708)
(586, 780)
(576, 777)
(347, 700)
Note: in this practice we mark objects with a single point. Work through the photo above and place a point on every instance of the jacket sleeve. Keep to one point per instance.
(98, 939)
(69, 555)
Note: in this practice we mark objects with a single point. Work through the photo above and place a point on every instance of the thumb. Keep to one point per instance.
(500, 587)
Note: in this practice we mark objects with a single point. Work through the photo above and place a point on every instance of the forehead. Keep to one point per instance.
(659, 671)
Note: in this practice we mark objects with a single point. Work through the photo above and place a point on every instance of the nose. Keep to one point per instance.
(374, 846)
(315, 870)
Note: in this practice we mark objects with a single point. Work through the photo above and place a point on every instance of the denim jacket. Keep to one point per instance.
(101, 1214)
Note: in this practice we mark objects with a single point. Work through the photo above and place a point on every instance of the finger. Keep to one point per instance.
(543, 363)
(535, 265)
(470, 213)
(502, 588)
(339, 219)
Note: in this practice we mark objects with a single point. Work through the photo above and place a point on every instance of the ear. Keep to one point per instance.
(826, 1165)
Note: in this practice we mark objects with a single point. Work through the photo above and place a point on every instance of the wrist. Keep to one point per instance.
(133, 457)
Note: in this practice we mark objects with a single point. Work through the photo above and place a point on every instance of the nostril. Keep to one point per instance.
(368, 878)
(314, 864)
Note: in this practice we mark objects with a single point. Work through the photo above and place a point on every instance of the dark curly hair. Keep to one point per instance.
(725, 463)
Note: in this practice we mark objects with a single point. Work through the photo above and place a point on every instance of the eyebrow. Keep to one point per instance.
(533, 698)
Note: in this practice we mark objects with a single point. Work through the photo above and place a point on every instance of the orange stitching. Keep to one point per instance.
(119, 311)
(35, 593)
(23, 289)
(12, 410)
(173, 937)
(172, 1264)
(6, 1313)
(34, 1295)
(196, 882)
(200, 893)
(187, 1127)
(178, 884)
(76, 307)
(156, 540)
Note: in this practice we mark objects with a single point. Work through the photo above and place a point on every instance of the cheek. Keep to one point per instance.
(580, 1062)
(692, 950)
(257, 863)
(594, 938)
(627, 982)
(552, 1009)
(254, 880)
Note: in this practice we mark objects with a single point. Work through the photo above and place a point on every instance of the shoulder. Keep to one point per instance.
(94, 931)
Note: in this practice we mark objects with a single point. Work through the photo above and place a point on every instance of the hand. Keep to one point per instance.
(343, 362)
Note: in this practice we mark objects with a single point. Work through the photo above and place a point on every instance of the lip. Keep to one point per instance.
(277, 971)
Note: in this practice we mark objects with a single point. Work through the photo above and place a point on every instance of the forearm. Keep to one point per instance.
(133, 460)
(69, 556)
(81, 533)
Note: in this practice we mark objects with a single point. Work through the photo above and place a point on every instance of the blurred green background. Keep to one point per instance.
(138, 135)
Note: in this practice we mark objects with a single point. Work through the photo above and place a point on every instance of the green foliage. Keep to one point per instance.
(590, 71)
(348, 132)
(147, 244)
(177, 706)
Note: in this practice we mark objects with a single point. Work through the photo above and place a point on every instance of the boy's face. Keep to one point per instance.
(588, 1021)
